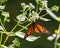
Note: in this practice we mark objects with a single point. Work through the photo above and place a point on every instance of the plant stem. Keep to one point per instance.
(1, 37)
(25, 26)
(4, 30)
(44, 15)
(2, 25)
(14, 27)
(37, 8)
(11, 31)
(6, 40)
(55, 44)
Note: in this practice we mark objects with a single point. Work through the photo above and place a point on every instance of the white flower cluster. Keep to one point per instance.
(24, 6)
(5, 14)
(33, 16)
(30, 6)
(44, 2)
(21, 17)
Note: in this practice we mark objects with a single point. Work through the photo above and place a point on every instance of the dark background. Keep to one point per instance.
(13, 7)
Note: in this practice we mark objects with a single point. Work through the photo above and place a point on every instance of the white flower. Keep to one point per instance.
(33, 16)
(6, 14)
(50, 38)
(1, 28)
(31, 6)
(4, 46)
(40, 9)
(44, 19)
(44, 2)
(54, 35)
(2, 7)
(23, 4)
(51, 14)
(27, 6)
(21, 17)
(29, 38)
(57, 36)
(8, 20)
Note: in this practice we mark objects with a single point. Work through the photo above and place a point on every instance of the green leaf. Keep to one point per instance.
(16, 42)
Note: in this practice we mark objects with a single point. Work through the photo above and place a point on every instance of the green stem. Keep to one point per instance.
(37, 8)
(44, 15)
(55, 44)
(11, 31)
(4, 30)
(1, 37)
(14, 27)
(40, 11)
(25, 26)
(2, 25)
(6, 40)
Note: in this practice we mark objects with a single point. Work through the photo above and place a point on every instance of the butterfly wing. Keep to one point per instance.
(30, 31)
(35, 27)
(40, 29)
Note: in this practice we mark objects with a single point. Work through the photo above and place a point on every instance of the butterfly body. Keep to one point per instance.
(35, 27)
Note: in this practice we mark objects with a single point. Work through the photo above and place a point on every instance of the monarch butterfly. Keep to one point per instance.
(35, 27)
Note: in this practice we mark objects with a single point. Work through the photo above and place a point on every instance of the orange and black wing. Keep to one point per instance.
(30, 31)
(35, 27)
(40, 29)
